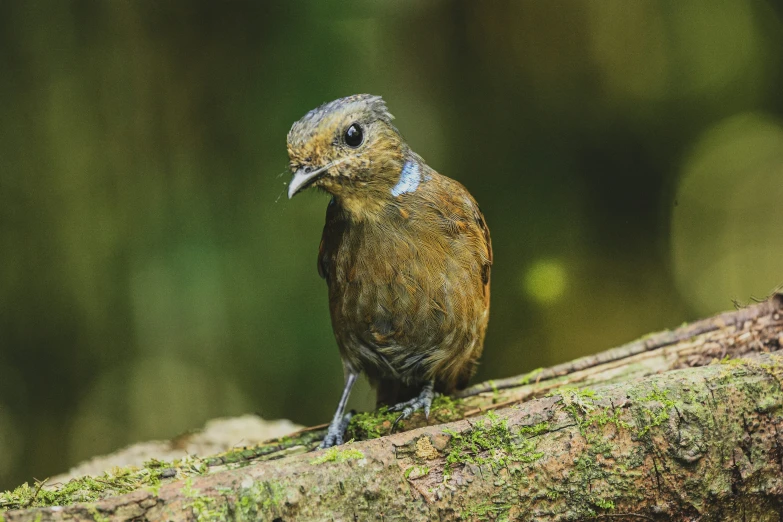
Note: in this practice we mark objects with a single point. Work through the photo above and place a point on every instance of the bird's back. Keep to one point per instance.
(409, 290)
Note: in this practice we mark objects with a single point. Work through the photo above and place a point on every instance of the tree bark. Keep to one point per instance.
(671, 427)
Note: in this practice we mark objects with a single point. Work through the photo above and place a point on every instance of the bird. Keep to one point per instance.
(405, 252)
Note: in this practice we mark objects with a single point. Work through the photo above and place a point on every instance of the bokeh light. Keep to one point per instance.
(545, 281)
(727, 225)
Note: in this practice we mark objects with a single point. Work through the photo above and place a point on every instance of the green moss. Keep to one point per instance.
(260, 501)
(447, 409)
(116, 481)
(416, 471)
(592, 416)
(583, 406)
(595, 465)
(306, 440)
(495, 391)
(525, 380)
(730, 361)
(492, 443)
(604, 504)
(584, 397)
(373, 424)
(85, 489)
(204, 508)
(336, 454)
(653, 417)
(376, 424)
(583, 499)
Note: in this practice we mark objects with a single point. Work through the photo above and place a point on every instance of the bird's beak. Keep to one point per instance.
(303, 178)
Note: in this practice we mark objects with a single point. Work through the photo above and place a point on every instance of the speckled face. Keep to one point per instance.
(339, 143)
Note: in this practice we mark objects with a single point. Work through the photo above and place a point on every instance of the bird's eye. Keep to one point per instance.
(354, 135)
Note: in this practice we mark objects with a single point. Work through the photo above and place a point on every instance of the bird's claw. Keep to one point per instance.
(335, 432)
(422, 402)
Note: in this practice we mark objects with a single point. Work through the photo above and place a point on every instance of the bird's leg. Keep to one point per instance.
(334, 434)
(423, 401)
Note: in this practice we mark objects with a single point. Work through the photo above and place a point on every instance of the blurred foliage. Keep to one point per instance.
(628, 157)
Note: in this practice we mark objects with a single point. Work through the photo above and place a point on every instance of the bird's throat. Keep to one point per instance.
(375, 200)
(360, 207)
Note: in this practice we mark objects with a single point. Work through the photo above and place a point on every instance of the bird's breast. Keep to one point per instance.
(402, 294)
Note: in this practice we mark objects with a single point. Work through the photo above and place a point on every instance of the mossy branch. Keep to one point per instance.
(677, 431)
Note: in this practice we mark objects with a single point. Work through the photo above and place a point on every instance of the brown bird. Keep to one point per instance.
(405, 252)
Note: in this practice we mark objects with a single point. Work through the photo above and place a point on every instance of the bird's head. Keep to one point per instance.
(348, 148)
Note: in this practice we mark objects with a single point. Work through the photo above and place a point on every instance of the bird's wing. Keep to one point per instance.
(322, 263)
(458, 213)
(487, 257)
(332, 232)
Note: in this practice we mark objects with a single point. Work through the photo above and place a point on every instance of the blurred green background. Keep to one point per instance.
(628, 157)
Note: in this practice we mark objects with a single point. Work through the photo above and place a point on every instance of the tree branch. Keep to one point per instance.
(653, 432)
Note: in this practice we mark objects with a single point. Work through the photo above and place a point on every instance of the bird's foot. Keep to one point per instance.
(335, 432)
(422, 402)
